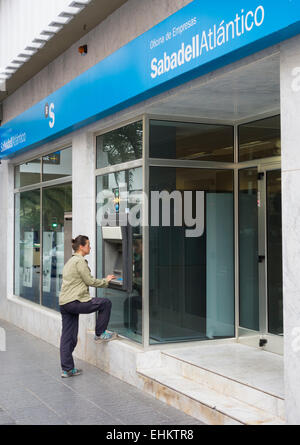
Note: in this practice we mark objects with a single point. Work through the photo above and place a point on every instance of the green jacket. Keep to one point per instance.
(76, 281)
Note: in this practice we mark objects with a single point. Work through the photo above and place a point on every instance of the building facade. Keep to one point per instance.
(172, 143)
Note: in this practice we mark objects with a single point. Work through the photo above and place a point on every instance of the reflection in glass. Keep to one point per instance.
(260, 139)
(134, 301)
(126, 315)
(57, 220)
(192, 279)
(57, 165)
(248, 249)
(122, 145)
(198, 142)
(27, 245)
(28, 173)
(274, 249)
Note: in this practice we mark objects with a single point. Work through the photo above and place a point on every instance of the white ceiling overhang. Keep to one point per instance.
(75, 20)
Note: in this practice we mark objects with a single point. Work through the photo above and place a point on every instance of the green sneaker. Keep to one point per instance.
(105, 336)
(72, 373)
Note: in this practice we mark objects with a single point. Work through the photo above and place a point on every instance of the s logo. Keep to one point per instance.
(51, 115)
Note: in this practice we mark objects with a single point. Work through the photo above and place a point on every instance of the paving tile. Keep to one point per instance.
(50, 389)
(64, 402)
(22, 399)
(142, 416)
(106, 396)
(78, 412)
(38, 415)
(33, 393)
(5, 419)
(97, 419)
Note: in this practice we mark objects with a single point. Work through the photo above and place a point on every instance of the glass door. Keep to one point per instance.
(260, 258)
(248, 252)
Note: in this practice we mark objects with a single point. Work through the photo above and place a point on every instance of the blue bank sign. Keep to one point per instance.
(201, 37)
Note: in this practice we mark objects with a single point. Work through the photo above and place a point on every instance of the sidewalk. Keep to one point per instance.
(33, 393)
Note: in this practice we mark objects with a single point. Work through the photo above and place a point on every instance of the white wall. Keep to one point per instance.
(290, 112)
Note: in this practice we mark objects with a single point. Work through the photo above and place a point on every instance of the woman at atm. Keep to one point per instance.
(74, 299)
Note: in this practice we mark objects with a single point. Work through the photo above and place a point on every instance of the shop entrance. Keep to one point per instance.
(248, 98)
(220, 137)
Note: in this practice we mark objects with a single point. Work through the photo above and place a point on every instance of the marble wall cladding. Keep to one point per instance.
(290, 103)
(291, 231)
(120, 359)
(3, 234)
(40, 322)
(84, 212)
(4, 169)
(84, 191)
(84, 194)
(290, 112)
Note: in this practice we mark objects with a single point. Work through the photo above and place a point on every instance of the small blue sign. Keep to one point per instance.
(199, 38)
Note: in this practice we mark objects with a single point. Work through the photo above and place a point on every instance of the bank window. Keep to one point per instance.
(192, 142)
(121, 255)
(191, 279)
(27, 245)
(57, 236)
(260, 139)
(43, 228)
(28, 173)
(57, 165)
(124, 144)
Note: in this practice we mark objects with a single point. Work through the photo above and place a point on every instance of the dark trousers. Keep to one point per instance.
(70, 318)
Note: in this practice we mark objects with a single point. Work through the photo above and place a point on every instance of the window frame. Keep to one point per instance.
(38, 186)
(146, 162)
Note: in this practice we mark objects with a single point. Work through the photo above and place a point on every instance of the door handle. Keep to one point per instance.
(261, 258)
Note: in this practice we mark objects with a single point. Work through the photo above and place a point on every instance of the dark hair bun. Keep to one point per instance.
(81, 240)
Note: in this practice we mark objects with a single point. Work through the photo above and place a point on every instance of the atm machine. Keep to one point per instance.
(117, 250)
(117, 256)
